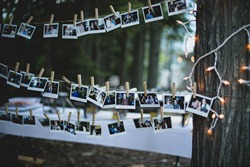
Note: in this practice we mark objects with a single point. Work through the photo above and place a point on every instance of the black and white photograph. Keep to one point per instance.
(78, 94)
(175, 7)
(82, 126)
(44, 121)
(37, 84)
(96, 96)
(14, 79)
(27, 120)
(96, 26)
(161, 124)
(57, 126)
(50, 30)
(5, 117)
(69, 31)
(124, 101)
(26, 78)
(116, 128)
(70, 128)
(95, 131)
(82, 28)
(174, 105)
(143, 123)
(150, 100)
(112, 21)
(17, 120)
(9, 31)
(152, 14)
(3, 71)
(130, 19)
(51, 89)
(110, 100)
(26, 30)
(200, 105)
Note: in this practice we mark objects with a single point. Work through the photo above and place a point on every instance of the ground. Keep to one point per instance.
(60, 154)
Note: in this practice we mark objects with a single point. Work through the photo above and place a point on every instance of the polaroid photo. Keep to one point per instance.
(26, 30)
(51, 89)
(116, 128)
(14, 79)
(96, 96)
(95, 131)
(28, 121)
(82, 126)
(174, 105)
(175, 7)
(78, 94)
(96, 26)
(37, 84)
(112, 22)
(50, 30)
(200, 105)
(109, 100)
(57, 126)
(123, 101)
(150, 100)
(3, 71)
(17, 120)
(82, 28)
(4, 116)
(70, 128)
(153, 14)
(44, 121)
(26, 78)
(145, 123)
(69, 31)
(130, 19)
(161, 124)
(9, 31)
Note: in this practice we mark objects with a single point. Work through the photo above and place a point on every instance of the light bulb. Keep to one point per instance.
(241, 81)
(209, 132)
(226, 82)
(213, 116)
(210, 68)
(179, 22)
(221, 100)
(221, 116)
(185, 78)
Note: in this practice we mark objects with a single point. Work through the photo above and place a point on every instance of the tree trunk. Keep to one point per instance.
(229, 145)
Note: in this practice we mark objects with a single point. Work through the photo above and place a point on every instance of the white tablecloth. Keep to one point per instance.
(176, 141)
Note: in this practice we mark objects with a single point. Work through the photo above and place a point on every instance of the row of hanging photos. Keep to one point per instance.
(118, 99)
(97, 25)
(158, 124)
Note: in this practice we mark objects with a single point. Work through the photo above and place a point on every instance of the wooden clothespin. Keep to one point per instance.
(92, 82)
(161, 112)
(173, 90)
(149, 4)
(17, 66)
(145, 88)
(127, 88)
(16, 112)
(194, 89)
(66, 80)
(141, 111)
(51, 19)
(46, 116)
(52, 74)
(107, 86)
(113, 10)
(79, 78)
(96, 14)
(6, 109)
(30, 19)
(93, 120)
(31, 115)
(82, 15)
(41, 73)
(58, 115)
(78, 116)
(118, 117)
(27, 69)
(129, 7)
(69, 116)
(75, 19)
(11, 19)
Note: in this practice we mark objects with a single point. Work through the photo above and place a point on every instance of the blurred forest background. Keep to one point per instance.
(152, 52)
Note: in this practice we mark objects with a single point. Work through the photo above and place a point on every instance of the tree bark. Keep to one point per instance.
(229, 145)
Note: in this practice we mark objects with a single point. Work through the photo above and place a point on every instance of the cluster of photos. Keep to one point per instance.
(100, 25)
